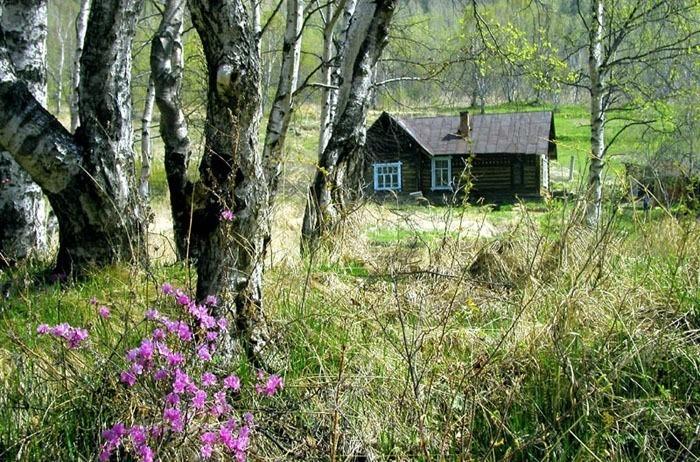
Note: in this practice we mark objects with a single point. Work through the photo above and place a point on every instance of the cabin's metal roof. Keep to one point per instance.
(510, 133)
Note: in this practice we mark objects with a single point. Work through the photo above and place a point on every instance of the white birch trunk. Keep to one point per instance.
(357, 30)
(88, 178)
(333, 57)
(23, 226)
(231, 254)
(594, 193)
(61, 63)
(281, 111)
(146, 154)
(340, 166)
(81, 23)
(167, 66)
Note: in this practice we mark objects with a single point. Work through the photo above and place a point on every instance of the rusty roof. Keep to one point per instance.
(508, 133)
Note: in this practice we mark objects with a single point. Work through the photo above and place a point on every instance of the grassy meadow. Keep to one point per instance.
(421, 333)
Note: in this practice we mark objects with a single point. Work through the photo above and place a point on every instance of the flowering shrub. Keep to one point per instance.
(73, 336)
(177, 364)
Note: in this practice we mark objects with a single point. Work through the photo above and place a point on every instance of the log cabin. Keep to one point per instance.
(497, 157)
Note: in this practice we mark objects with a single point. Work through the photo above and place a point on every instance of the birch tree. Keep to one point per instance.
(88, 177)
(23, 230)
(167, 66)
(333, 45)
(81, 22)
(281, 111)
(628, 45)
(230, 253)
(339, 172)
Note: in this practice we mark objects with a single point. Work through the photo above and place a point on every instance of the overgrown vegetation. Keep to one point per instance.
(543, 343)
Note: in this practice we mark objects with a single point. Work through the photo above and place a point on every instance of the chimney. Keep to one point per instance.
(465, 124)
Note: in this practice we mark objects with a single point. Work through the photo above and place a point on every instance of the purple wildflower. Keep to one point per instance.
(103, 311)
(203, 353)
(208, 379)
(127, 378)
(273, 384)
(232, 382)
(227, 215)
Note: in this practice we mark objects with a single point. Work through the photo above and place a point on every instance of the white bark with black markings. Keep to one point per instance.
(595, 64)
(337, 180)
(332, 63)
(23, 227)
(80, 30)
(146, 145)
(167, 66)
(88, 177)
(281, 111)
(231, 254)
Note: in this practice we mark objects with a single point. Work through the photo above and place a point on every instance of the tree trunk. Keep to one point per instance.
(332, 63)
(89, 177)
(594, 193)
(80, 30)
(338, 179)
(231, 253)
(23, 230)
(281, 112)
(167, 65)
(59, 73)
(146, 145)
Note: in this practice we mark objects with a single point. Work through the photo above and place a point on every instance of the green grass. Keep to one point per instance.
(562, 344)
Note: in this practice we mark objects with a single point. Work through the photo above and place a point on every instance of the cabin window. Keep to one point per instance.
(442, 172)
(516, 173)
(387, 177)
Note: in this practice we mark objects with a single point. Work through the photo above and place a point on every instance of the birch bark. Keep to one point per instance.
(146, 145)
(167, 65)
(338, 177)
(595, 64)
(231, 253)
(23, 227)
(89, 177)
(281, 111)
(80, 30)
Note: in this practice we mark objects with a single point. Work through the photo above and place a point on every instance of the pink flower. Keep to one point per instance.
(200, 399)
(158, 334)
(42, 329)
(167, 288)
(203, 353)
(209, 437)
(212, 335)
(227, 215)
(161, 374)
(173, 416)
(114, 435)
(152, 315)
(208, 379)
(182, 381)
(128, 378)
(175, 359)
(206, 451)
(146, 453)
(103, 311)
(182, 298)
(138, 435)
(93, 300)
(211, 300)
(273, 384)
(222, 323)
(184, 332)
(232, 382)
